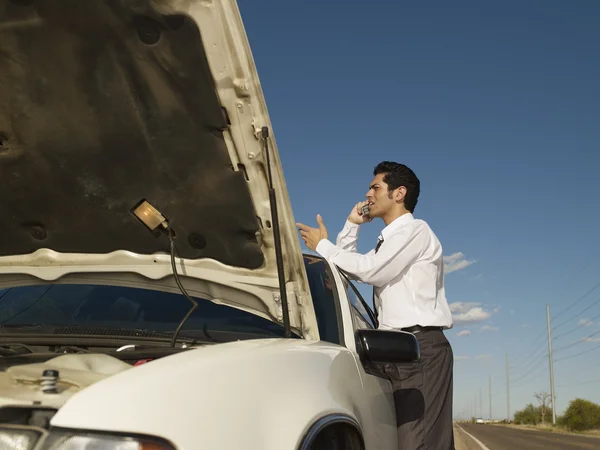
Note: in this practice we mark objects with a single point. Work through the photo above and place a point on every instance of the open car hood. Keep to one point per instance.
(104, 104)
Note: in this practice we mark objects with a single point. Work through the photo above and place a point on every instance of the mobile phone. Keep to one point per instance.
(365, 210)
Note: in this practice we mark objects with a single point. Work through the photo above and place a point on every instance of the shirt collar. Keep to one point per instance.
(396, 223)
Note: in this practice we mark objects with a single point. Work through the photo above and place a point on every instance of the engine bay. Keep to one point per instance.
(35, 381)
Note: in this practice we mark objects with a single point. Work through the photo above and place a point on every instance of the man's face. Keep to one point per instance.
(379, 197)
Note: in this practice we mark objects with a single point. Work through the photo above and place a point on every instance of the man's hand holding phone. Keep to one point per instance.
(358, 216)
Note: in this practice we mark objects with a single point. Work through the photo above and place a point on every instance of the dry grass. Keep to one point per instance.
(551, 429)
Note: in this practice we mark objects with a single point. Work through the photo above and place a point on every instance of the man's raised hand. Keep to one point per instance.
(312, 236)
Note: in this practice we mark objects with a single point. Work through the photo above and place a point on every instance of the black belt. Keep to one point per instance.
(420, 329)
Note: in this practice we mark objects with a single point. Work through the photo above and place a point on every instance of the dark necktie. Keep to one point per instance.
(374, 307)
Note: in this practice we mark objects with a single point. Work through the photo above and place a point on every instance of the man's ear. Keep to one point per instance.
(400, 194)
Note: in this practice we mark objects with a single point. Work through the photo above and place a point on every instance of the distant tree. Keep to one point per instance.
(530, 415)
(581, 415)
(543, 398)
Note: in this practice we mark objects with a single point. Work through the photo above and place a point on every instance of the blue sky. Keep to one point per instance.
(496, 106)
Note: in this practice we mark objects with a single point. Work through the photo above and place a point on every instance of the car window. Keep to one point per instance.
(323, 292)
(362, 316)
(58, 305)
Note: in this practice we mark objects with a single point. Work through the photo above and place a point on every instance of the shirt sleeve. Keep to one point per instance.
(377, 269)
(347, 238)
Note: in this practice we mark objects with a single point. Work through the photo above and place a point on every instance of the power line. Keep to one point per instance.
(530, 354)
(584, 369)
(578, 327)
(583, 383)
(577, 342)
(527, 375)
(585, 266)
(573, 304)
(578, 354)
(532, 365)
(579, 314)
(534, 376)
(539, 339)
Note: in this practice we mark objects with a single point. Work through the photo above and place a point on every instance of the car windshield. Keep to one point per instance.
(83, 305)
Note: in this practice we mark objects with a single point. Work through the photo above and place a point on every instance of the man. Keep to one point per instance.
(407, 272)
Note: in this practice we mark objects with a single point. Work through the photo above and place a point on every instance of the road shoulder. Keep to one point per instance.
(463, 441)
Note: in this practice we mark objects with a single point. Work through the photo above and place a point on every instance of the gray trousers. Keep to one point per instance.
(423, 395)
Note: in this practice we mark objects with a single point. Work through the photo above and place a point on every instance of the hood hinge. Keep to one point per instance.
(277, 300)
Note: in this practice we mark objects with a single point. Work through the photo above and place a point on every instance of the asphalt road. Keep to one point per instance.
(497, 437)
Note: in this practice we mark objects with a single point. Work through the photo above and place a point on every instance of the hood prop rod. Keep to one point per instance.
(277, 239)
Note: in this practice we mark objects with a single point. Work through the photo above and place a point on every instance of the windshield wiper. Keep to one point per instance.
(26, 326)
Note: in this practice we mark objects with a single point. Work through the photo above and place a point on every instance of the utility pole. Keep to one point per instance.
(507, 392)
(551, 362)
(490, 398)
(480, 403)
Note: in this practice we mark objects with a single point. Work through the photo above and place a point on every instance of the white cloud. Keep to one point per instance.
(468, 312)
(524, 325)
(486, 356)
(456, 261)
(489, 328)
(590, 339)
(512, 312)
(461, 358)
(464, 333)
(585, 322)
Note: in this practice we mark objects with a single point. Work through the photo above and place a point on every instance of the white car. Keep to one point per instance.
(151, 295)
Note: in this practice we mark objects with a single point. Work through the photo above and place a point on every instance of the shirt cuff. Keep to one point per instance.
(325, 248)
(351, 226)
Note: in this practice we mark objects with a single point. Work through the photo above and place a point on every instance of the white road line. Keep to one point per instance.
(481, 444)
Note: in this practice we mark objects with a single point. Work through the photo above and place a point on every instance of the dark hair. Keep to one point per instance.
(397, 175)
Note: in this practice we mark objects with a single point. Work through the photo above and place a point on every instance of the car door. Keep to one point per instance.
(339, 314)
(382, 430)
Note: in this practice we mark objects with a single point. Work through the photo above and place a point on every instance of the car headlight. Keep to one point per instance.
(27, 438)
(60, 440)
(18, 438)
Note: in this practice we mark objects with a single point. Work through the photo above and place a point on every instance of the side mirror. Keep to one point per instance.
(386, 346)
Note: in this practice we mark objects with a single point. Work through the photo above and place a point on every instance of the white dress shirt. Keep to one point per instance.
(407, 272)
